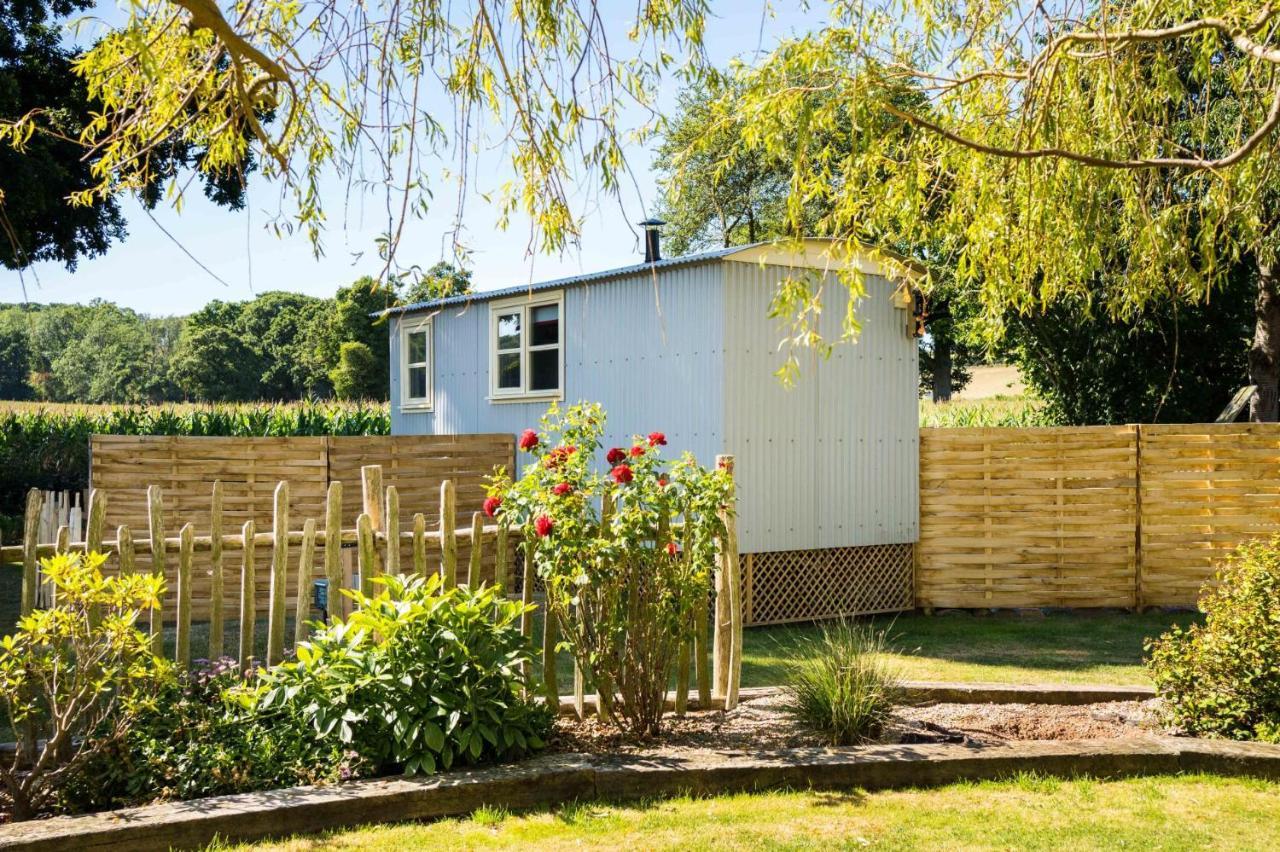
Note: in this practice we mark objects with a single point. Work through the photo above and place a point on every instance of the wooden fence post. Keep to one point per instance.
(701, 633)
(477, 549)
(550, 638)
(182, 642)
(501, 566)
(248, 604)
(392, 522)
(279, 575)
(367, 553)
(155, 524)
(420, 544)
(526, 597)
(124, 547)
(333, 548)
(373, 498)
(448, 536)
(728, 636)
(306, 561)
(215, 576)
(30, 553)
(97, 518)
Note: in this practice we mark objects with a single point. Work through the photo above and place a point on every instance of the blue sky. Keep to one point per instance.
(152, 274)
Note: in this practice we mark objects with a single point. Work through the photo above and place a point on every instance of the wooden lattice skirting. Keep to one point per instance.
(799, 585)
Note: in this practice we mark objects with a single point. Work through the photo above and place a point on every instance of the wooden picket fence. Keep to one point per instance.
(380, 544)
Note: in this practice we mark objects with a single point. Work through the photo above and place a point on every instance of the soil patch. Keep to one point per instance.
(761, 723)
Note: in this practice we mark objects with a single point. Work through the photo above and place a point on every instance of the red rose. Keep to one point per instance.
(662, 482)
(657, 438)
(562, 488)
(616, 456)
(528, 440)
(544, 526)
(621, 474)
(491, 506)
(672, 549)
(637, 451)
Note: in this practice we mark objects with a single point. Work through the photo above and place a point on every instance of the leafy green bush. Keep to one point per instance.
(840, 685)
(192, 738)
(417, 678)
(74, 677)
(1222, 678)
(623, 586)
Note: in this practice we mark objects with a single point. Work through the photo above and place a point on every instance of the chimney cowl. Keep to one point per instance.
(652, 239)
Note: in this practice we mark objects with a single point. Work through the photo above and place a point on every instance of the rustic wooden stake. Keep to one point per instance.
(30, 543)
(526, 597)
(420, 544)
(215, 573)
(333, 548)
(279, 575)
(501, 566)
(550, 638)
(477, 549)
(97, 519)
(393, 530)
(248, 608)
(373, 503)
(182, 644)
(448, 536)
(155, 523)
(124, 546)
(367, 553)
(682, 678)
(63, 544)
(732, 640)
(306, 561)
(604, 688)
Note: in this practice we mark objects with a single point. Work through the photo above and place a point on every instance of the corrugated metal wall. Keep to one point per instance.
(647, 348)
(834, 460)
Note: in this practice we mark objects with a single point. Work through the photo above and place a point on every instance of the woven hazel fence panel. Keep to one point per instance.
(185, 468)
(798, 585)
(1028, 517)
(1205, 489)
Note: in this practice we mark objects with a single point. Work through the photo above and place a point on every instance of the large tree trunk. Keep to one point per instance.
(942, 369)
(1264, 355)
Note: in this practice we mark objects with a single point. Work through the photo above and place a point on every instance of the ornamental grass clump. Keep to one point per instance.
(841, 686)
(1222, 678)
(625, 552)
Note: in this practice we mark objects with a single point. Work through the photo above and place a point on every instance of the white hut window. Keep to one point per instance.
(527, 348)
(415, 360)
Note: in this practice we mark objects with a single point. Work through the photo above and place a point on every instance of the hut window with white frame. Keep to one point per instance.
(526, 343)
(415, 376)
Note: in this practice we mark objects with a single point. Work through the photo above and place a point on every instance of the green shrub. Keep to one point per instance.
(74, 677)
(192, 738)
(416, 679)
(1222, 678)
(840, 685)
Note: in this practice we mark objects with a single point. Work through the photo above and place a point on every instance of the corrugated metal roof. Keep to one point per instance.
(574, 280)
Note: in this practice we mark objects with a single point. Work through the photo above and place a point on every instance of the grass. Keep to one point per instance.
(1019, 411)
(1059, 648)
(1028, 812)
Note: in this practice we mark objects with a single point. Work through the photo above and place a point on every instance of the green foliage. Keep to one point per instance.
(193, 738)
(15, 355)
(841, 686)
(417, 678)
(440, 281)
(1222, 678)
(1020, 411)
(623, 587)
(357, 376)
(214, 364)
(75, 675)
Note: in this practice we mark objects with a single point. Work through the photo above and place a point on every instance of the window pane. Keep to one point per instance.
(417, 347)
(509, 370)
(546, 325)
(508, 331)
(417, 382)
(544, 370)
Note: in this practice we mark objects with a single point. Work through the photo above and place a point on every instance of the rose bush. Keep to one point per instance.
(626, 558)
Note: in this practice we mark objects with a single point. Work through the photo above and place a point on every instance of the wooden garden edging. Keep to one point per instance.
(557, 779)
(1115, 516)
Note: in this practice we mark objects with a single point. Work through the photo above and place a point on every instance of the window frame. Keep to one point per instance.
(524, 305)
(425, 325)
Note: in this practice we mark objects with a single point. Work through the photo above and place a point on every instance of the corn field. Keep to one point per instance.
(1017, 411)
(46, 446)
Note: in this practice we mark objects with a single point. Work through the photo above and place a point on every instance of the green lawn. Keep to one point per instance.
(1059, 648)
(1167, 813)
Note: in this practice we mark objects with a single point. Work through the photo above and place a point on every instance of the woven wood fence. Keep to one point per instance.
(125, 467)
(1127, 516)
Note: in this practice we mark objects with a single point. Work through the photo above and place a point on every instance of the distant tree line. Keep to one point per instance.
(276, 346)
